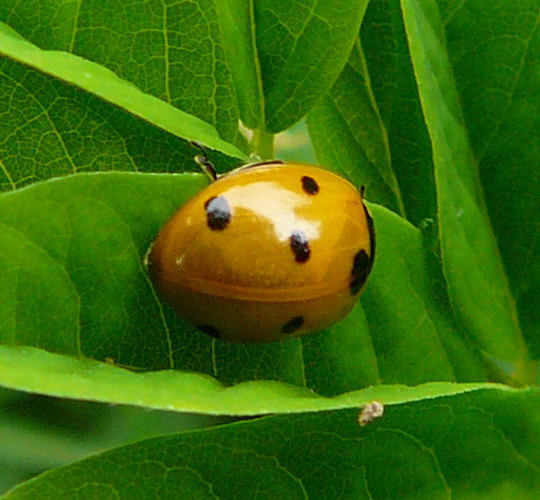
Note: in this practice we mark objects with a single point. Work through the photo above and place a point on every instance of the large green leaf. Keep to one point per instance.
(237, 20)
(284, 59)
(175, 50)
(495, 59)
(34, 370)
(477, 282)
(404, 317)
(170, 49)
(394, 86)
(301, 52)
(81, 241)
(468, 446)
(49, 127)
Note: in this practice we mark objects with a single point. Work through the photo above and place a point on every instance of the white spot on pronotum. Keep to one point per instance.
(370, 412)
(178, 261)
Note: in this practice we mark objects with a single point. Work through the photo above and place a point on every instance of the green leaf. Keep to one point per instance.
(394, 86)
(237, 21)
(78, 227)
(34, 370)
(495, 60)
(341, 358)
(349, 137)
(49, 127)
(494, 63)
(107, 85)
(27, 312)
(47, 23)
(171, 50)
(301, 52)
(100, 304)
(405, 318)
(467, 446)
(477, 283)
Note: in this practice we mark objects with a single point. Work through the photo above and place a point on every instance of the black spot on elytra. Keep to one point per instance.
(357, 283)
(218, 212)
(362, 263)
(292, 325)
(310, 185)
(300, 245)
(360, 271)
(209, 330)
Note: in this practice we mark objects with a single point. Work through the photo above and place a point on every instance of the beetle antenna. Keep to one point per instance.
(363, 189)
(204, 162)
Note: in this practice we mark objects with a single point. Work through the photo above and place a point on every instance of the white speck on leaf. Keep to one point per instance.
(370, 412)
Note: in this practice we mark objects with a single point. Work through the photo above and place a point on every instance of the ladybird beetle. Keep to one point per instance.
(266, 252)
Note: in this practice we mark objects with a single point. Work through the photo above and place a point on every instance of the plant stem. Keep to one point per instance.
(262, 144)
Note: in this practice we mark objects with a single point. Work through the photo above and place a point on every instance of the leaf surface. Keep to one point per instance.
(393, 83)
(477, 283)
(301, 52)
(34, 370)
(494, 55)
(424, 449)
(171, 49)
(237, 20)
(63, 114)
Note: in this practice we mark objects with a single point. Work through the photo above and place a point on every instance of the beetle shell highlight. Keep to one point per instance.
(266, 253)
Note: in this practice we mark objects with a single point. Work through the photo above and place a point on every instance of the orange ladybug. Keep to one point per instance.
(266, 252)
